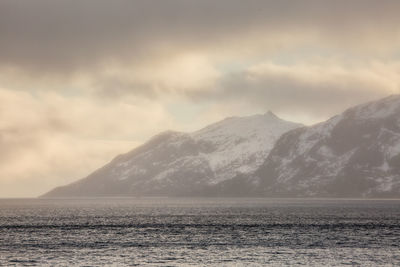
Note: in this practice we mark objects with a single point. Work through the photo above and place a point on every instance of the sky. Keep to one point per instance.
(83, 81)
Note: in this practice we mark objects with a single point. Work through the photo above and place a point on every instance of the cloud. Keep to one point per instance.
(187, 72)
(150, 49)
(57, 36)
(314, 90)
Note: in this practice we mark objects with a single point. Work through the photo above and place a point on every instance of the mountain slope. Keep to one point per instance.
(355, 154)
(175, 164)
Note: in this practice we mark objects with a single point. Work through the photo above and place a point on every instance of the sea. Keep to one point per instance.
(199, 232)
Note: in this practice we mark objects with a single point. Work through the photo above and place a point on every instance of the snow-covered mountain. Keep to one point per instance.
(355, 154)
(176, 163)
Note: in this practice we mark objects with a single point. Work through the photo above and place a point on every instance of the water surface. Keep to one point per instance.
(201, 232)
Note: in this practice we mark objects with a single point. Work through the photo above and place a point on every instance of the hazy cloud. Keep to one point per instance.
(318, 91)
(53, 139)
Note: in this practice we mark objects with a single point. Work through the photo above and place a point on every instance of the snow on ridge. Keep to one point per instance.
(243, 126)
(166, 134)
(371, 110)
(228, 147)
(241, 143)
(377, 109)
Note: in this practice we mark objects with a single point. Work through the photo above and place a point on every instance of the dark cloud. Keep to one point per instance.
(61, 36)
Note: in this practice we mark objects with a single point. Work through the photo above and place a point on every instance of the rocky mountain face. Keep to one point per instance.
(185, 164)
(355, 154)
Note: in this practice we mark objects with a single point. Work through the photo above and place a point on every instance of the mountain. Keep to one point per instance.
(178, 164)
(355, 154)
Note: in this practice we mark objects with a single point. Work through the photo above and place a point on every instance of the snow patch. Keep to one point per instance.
(384, 167)
(394, 150)
(241, 143)
(385, 183)
(326, 151)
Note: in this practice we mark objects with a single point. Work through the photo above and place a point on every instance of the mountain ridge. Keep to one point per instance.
(355, 154)
(178, 163)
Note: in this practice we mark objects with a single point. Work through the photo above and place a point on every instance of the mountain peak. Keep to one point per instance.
(270, 114)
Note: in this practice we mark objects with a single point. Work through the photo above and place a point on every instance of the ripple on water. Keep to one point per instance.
(181, 232)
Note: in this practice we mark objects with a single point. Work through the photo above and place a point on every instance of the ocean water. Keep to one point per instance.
(199, 232)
